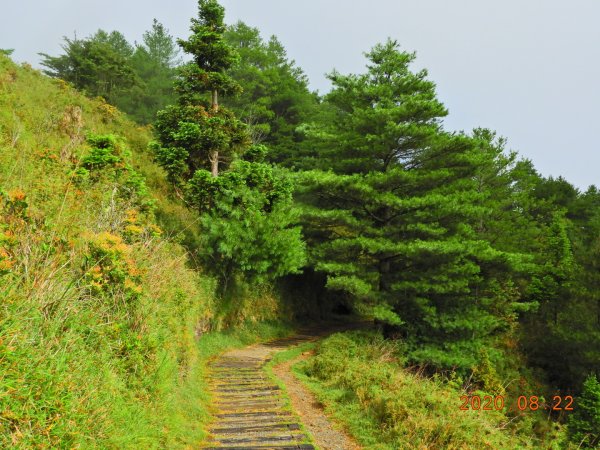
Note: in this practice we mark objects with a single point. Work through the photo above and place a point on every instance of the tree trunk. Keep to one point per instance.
(215, 100)
(214, 155)
(384, 270)
(214, 163)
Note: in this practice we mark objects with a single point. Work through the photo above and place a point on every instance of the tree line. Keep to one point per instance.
(454, 242)
(137, 78)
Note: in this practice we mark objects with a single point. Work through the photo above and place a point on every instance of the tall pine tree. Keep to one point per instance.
(197, 132)
(245, 204)
(98, 65)
(392, 222)
(275, 98)
(154, 61)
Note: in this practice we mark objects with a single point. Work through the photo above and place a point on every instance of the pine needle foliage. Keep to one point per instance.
(391, 216)
(245, 205)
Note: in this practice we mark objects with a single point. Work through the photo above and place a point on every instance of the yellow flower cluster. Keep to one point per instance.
(13, 208)
(6, 261)
(135, 229)
(109, 112)
(110, 267)
(16, 195)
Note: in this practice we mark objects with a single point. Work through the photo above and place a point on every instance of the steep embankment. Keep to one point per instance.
(98, 310)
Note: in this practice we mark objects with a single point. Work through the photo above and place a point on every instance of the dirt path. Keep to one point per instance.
(309, 409)
(251, 410)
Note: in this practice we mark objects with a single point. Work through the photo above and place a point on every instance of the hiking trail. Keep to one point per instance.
(252, 411)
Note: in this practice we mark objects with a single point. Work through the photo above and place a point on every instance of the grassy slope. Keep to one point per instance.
(360, 380)
(80, 365)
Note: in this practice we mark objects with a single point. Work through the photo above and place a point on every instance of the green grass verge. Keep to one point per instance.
(350, 415)
(360, 380)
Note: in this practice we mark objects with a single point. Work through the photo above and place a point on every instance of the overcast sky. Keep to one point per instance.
(527, 68)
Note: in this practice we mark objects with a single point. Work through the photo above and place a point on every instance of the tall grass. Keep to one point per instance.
(361, 380)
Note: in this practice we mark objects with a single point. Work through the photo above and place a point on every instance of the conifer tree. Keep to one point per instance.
(584, 424)
(137, 79)
(564, 283)
(99, 65)
(154, 61)
(275, 98)
(197, 132)
(245, 204)
(392, 222)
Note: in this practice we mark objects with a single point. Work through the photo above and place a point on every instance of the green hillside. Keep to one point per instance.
(100, 311)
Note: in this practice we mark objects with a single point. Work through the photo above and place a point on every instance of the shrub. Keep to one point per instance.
(102, 153)
(248, 222)
(109, 270)
(584, 424)
(107, 161)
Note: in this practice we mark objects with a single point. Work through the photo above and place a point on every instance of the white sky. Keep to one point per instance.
(526, 68)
